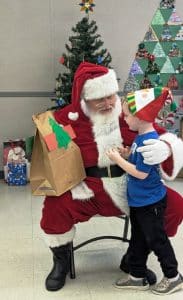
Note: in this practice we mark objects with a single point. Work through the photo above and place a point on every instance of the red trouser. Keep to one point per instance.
(61, 213)
(173, 212)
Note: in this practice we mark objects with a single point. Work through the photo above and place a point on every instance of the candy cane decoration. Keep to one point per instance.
(166, 119)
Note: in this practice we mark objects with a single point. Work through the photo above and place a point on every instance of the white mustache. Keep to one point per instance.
(102, 107)
(108, 108)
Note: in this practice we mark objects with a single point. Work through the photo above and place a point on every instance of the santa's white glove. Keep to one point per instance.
(154, 151)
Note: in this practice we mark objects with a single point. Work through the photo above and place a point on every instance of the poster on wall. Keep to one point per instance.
(159, 57)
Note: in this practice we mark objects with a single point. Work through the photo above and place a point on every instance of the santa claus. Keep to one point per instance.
(96, 117)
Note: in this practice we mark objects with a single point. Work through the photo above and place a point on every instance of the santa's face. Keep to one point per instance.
(103, 105)
(108, 112)
(102, 114)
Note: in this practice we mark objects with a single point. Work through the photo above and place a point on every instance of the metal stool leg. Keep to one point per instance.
(72, 248)
(72, 264)
(125, 229)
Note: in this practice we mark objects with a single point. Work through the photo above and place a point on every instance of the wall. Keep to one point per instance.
(33, 36)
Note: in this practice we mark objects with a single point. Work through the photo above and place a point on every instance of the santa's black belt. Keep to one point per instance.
(112, 171)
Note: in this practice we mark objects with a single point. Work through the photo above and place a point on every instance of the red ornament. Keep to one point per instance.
(61, 60)
(151, 57)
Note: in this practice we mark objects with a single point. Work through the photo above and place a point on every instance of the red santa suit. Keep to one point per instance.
(104, 195)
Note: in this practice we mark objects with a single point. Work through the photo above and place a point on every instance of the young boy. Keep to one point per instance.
(146, 195)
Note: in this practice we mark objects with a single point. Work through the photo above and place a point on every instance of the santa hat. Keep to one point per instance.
(92, 81)
(146, 104)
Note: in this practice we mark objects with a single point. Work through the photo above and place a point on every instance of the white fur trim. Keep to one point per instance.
(82, 192)
(116, 188)
(73, 116)
(84, 108)
(177, 152)
(57, 240)
(101, 86)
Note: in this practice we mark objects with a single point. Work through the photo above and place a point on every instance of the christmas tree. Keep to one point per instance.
(85, 45)
(159, 59)
(160, 53)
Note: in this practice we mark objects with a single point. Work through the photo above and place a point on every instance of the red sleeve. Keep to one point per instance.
(84, 136)
(61, 115)
(167, 165)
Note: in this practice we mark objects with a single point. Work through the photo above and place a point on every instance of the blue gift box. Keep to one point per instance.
(17, 174)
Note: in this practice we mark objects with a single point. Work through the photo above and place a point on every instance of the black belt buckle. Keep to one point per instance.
(109, 171)
(114, 171)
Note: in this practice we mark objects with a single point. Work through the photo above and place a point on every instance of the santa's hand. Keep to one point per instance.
(154, 151)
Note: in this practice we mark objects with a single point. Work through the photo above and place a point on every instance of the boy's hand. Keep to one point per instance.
(113, 154)
(124, 151)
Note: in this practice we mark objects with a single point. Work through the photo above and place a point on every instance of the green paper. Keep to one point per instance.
(173, 106)
(168, 67)
(166, 13)
(62, 137)
(150, 35)
(158, 18)
(158, 51)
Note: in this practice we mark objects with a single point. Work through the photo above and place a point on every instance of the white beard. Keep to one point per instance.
(98, 118)
(106, 131)
(107, 134)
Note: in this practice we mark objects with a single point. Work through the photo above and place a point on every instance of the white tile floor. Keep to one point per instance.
(25, 260)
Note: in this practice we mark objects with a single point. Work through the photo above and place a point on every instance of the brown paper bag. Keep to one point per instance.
(57, 171)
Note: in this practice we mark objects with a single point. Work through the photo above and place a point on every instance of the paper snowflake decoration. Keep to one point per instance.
(87, 5)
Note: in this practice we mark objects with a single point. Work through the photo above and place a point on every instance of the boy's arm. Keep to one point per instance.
(128, 167)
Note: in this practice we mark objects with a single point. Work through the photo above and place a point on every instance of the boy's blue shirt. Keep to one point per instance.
(142, 192)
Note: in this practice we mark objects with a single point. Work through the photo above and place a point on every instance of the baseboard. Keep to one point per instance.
(1, 174)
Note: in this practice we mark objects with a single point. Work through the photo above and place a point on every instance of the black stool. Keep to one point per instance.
(73, 248)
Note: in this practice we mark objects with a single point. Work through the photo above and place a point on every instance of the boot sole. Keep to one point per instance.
(54, 289)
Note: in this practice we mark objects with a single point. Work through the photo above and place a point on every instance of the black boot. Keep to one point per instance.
(124, 266)
(61, 264)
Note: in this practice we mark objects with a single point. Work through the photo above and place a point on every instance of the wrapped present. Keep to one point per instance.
(14, 161)
(16, 174)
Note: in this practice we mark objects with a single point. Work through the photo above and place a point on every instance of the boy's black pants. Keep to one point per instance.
(147, 233)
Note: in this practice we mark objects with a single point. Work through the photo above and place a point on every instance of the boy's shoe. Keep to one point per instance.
(124, 266)
(166, 287)
(129, 283)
